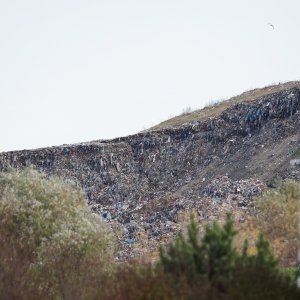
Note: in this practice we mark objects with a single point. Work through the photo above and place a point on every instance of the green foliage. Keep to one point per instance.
(214, 269)
(184, 257)
(49, 234)
(213, 257)
(291, 272)
(296, 153)
(220, 255)
(264, 256)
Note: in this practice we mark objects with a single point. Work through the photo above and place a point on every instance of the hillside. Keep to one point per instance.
(216, 109)
(212, 161)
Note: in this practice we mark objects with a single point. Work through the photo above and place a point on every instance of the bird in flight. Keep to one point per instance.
(270, 24)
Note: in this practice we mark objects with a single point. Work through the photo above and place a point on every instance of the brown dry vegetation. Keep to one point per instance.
(278, 219)
(277, 216)
(216, 109)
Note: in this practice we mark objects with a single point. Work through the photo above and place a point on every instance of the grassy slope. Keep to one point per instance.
(214, 110)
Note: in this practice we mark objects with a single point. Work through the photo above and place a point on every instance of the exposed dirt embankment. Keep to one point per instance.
(218, 164)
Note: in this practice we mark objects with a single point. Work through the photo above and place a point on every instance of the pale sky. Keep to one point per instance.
(74, 71)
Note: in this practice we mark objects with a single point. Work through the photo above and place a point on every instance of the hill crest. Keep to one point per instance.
(217, 108)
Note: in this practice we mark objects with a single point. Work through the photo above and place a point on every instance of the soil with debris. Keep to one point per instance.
(146, 184)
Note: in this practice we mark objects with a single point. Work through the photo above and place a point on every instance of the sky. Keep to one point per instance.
(75, 71)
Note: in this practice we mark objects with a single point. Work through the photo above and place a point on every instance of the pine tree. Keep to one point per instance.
(219, 250)
(264, 255)
(214, 258)
(211, 258)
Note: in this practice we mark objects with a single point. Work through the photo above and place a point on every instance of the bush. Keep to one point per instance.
(214, 257)
(210, 259)
(137, 281)
(278, 219)
(260, 283)
(214, 269)
(51, 242)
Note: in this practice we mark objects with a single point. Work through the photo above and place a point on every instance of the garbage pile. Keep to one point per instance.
(143, 184)
(222, 190)
(151, 223)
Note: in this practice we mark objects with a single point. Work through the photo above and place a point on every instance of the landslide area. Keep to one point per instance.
(214, 161)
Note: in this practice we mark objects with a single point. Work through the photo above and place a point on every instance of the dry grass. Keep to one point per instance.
(278, 219)
(218, 108)
(247, 230)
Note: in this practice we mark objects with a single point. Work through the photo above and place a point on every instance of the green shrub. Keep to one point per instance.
(214, 256)
(291, 272)
(211, 258)
(51, 242)
(214, 259)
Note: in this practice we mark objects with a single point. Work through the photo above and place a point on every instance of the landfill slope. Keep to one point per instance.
(144, 184)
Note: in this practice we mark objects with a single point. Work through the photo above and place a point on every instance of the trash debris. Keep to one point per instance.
(295, 162)
(143, 184)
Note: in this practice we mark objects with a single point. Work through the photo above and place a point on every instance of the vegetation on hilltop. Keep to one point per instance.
(219, 106)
